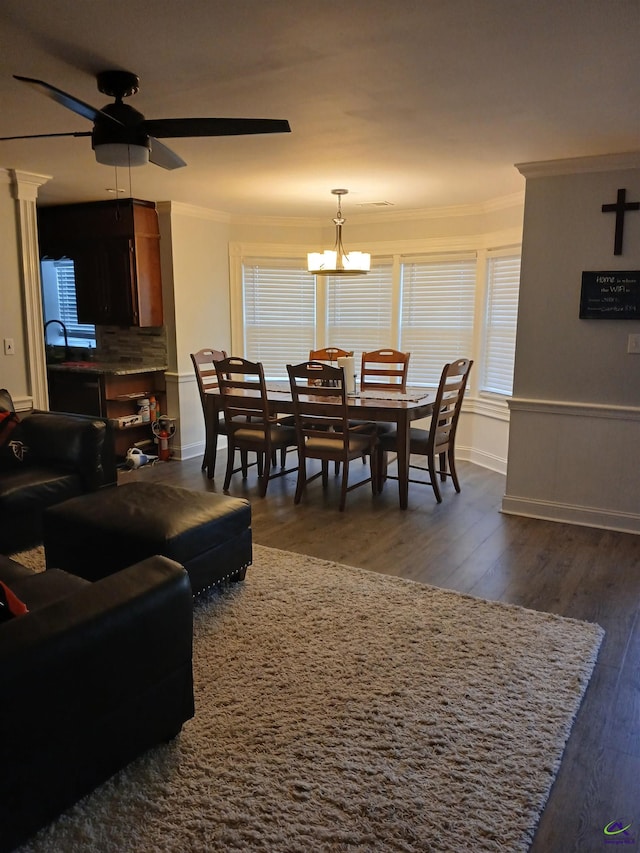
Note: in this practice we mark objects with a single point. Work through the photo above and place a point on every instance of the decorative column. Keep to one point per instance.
(25, 192)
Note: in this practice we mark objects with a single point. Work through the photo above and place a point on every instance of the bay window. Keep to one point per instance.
(437, 307)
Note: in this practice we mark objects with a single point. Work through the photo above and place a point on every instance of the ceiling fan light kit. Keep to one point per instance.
(337, 261)
(123, 137)
(121, 154)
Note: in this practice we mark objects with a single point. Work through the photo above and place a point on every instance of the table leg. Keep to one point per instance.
(403, 458)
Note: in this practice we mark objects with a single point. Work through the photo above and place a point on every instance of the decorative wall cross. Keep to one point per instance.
(620, 208)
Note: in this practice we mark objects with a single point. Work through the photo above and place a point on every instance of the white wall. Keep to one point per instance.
(195, 278)
(13, 368)
(575, 416)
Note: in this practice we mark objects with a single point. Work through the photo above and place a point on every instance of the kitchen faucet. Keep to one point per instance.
(64, 331)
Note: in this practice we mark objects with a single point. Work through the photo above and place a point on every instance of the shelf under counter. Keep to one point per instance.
(110, 391)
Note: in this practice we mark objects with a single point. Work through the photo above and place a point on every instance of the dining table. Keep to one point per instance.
(398, 407)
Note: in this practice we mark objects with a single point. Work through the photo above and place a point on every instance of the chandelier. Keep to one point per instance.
(337, 261)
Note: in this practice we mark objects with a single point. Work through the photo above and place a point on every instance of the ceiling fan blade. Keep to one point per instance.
(163, 156)
(174, 127)
(69, 101)
(41, 135)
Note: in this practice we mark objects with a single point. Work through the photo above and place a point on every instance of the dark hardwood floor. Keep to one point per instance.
(466, 544)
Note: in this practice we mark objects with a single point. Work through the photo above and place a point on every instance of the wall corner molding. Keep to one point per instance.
(24, 187)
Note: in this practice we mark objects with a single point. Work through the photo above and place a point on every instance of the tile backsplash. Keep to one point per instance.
(146, 346)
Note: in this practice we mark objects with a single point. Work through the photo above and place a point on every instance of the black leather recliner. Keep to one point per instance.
(91, 677)
(68, 455)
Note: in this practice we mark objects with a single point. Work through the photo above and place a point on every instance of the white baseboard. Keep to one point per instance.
(580, 515)
(189, 451)
(483, 459)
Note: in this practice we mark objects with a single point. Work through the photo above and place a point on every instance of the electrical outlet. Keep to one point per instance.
(633, 343)
(9, 346)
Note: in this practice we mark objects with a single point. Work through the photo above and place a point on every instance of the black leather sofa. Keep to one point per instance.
(92, 676)
(49, 457)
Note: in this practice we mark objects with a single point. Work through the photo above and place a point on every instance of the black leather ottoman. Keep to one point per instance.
(97, 534)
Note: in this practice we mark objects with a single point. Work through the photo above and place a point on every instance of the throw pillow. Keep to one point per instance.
(8, 422)
(10, 604)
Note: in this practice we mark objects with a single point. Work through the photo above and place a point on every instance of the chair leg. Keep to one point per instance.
(373, 471)
(264, 479)
(345, 481)
(244, 463)
(452, 469)
(325, 474)
(212, 461)
(283, 457)
(431, 465)
(443, 467)
(231, 452)
(302, 478)
(381, 463)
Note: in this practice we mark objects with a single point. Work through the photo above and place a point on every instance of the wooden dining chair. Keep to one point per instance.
(384, 370)
(204, 365)
(320, 410)
(250, 426)
(440, 439)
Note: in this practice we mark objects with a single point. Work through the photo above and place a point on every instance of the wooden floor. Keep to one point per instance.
(466, 544)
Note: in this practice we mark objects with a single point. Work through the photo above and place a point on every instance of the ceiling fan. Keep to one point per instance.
(122, 136)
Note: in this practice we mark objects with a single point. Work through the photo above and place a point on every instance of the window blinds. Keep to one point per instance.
(66, 284)
(437, 315)
(279, 314)
(359, 311)
(503, 284)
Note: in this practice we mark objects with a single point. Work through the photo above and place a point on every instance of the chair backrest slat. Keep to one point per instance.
(330, 354)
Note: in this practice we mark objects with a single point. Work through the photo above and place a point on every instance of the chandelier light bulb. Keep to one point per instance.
(338, 261)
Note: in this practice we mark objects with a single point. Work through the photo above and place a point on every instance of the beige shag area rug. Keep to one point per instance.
(341, 710)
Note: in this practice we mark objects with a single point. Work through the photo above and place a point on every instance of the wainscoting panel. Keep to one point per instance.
(575, 463)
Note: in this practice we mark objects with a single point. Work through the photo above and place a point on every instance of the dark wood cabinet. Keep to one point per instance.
(81, 394)
(115, 247)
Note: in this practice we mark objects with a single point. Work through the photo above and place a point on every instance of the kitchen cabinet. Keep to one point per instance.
(115, 247)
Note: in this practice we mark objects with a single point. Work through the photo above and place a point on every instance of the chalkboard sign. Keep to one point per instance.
(610, 295)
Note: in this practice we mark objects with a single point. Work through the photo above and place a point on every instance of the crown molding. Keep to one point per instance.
(513, 200)
(580, 165)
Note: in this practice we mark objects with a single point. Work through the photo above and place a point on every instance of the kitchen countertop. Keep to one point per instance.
(116, 368)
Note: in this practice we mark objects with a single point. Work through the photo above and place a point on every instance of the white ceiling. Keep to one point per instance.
(419, 103)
